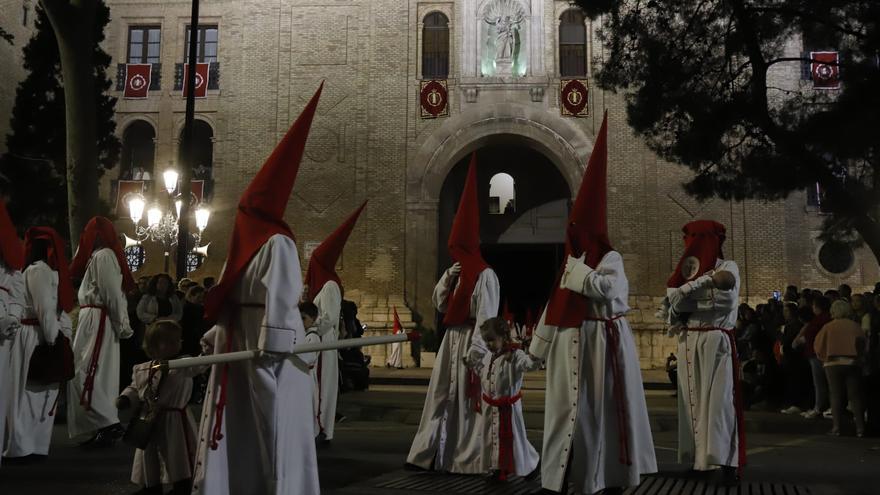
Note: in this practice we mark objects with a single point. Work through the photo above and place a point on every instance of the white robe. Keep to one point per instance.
(395, 357)
(449, 436)
(101, 286)
(11, 308)
(31, 406)
(170, 455)
(580, 415)
(268, 444)
(504, 378)
(707, 435)
(329, 303)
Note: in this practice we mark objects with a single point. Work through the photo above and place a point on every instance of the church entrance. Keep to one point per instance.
(524, 203)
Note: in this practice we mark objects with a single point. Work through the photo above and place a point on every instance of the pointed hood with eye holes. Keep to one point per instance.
(464, 248)
(703, 240)
(56, 259)
(587, 234)
(99, 228)
(322, 264)
(261, 207)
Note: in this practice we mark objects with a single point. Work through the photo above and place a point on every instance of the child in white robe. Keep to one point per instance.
(309, 313)
(168, 458)
(506, 449)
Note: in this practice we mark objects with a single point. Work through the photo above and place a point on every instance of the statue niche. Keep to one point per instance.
(503, 29)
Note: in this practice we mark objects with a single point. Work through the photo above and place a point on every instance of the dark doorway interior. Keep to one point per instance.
(526, 270)
(138, 151)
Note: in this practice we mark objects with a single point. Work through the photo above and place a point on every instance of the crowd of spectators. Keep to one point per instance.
(816, 354)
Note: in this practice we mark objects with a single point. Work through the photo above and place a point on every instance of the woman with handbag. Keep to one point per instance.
(103, 321)
(11, 305)
(41, 357)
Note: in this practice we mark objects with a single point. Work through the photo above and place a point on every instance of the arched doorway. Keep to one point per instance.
(522, 239)
(138, 154)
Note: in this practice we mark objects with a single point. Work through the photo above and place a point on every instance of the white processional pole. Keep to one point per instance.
(231, 357)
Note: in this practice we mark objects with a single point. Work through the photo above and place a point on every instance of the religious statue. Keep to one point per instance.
(506, 16)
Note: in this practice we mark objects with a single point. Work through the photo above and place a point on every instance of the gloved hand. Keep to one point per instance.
(207, 341)
(8, 326)
(455, 269)
(662, 313)
(474, 360)
(126, 333)
(576, 272)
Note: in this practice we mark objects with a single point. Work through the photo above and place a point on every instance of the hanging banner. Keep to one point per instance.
(201, 80)
(137, 81)
(197, 188)
(434, 99)
(573, 97)
(824, 70)
(124, 188)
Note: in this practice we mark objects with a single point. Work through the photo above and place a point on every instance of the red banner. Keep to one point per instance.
(573, 97)
(197, 189)
(123, 188)
(434, 99)
(824, 70)
(137, 81)
(201, 80)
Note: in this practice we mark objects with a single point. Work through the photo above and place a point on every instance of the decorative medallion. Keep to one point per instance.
(573, 97)
(824, 70)
(434, 99)
(137, 81)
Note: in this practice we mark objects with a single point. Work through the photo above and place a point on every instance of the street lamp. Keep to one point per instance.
(164, 226)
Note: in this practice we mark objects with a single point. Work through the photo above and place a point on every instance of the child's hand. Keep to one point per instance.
(123, 402)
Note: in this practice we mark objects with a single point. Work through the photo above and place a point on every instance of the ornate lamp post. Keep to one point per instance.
(164, 226)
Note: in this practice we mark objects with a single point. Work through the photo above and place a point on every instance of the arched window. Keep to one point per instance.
(203, 139)
(435, 46)
(138, 151)
(502, 194)
(572, 44)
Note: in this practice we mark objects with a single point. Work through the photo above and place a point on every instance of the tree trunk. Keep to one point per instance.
(73, 22)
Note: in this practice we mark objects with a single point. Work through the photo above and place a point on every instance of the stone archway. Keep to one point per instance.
(563, 144)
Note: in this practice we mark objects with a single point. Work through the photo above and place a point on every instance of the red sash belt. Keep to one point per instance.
(504, 404)
(181, 411)
(612, 354)
(217, 432)
(85, 398)
(737, 392)
(32, 322)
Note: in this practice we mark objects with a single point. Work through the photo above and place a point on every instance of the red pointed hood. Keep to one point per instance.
(587, 233)
(56, 260)
(261, 207)
(398, 327)
(322, 265)
(100, 228)
(464, 247)
(11, 248)
(703, 240)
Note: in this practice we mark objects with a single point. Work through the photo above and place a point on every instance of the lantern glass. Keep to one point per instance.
(170, 177)
(154, 216)
(178, 204)
(202, 216)
(136, 208)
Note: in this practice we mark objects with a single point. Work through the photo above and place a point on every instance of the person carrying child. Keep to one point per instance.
(506, 450)
(160, 397)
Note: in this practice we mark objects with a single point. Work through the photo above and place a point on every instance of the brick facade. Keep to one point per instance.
(368, 141)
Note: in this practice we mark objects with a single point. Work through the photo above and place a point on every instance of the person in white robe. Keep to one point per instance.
(11, 307)
(449, 434)
(506, 448)
(701, 309)
(324, 289)
(395, 357)
(48, 295)
(103, 321)
(169, 457)
(596, 429)
(256, 433)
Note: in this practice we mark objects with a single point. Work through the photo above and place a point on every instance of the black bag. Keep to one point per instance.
(52, 363)
(139, 432)
(140, 429)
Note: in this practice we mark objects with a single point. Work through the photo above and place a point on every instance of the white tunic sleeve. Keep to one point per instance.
(282, 324)
(601, 283)
(329, 303)
(523, 362)
(41, 283)
(441, 290)
(484, 305)
(110, 291)
(11, 302)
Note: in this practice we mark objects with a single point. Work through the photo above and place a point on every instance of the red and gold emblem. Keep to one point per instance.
(574, 97)
(434, 99)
